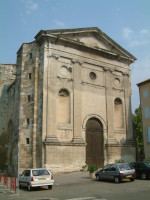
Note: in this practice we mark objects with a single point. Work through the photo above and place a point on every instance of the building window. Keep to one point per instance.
(148, 134)
(147, 112)
(92, 76)
(27, 141)
(145, 93)
(28, 121)
(30, 76)
(29, 97)
(30, 55)
(63, 106)
(118, 113)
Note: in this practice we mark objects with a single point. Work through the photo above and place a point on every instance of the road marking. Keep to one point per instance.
(86, 198)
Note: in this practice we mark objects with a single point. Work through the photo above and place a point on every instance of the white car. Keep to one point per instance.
(36, 178)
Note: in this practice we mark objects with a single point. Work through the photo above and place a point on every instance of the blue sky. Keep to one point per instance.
(125, 21)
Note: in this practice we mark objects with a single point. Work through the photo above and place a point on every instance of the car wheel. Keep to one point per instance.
(49, 187)
(131, 179)
(98, 177)
(116, 179)
(143, 176)
(29, 187)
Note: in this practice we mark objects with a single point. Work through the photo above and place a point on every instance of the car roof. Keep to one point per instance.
(118, 164)
(36, 169)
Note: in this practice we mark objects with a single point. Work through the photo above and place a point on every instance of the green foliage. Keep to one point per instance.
(84, 166)
(119, 161)
(137, 127)
(92, 168)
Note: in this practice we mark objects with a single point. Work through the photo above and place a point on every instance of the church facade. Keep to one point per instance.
(70, 102)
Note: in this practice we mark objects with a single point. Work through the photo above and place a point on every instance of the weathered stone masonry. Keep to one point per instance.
(69, 101)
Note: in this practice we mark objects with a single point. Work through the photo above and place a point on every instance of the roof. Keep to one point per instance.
(143, 82)
(61, 33)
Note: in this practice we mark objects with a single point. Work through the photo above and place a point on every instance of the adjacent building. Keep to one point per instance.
(144, 90)
(68, 102)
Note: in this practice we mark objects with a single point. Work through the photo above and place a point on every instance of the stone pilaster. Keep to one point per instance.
(77, 102)
(109, 106)
(51, 100)
(128, 113)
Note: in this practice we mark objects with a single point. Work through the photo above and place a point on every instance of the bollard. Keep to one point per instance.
(13, 183)
(6, 180)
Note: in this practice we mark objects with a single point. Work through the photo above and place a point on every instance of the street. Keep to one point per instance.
(78, 186)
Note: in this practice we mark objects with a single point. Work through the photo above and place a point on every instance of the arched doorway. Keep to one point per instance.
(94, 140)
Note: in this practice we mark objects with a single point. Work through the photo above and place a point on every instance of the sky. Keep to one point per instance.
(125, 21)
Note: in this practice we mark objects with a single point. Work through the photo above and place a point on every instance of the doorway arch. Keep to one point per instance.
(95, 142)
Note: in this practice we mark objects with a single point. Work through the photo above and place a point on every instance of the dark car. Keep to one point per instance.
(142, 169)
(116, 172)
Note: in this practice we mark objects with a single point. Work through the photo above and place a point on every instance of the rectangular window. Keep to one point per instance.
(30, 55)
(29, 97)
(147, 112)
(145, 93)
(28, 121)
(30, 76)
(148, 134)
(27, 141)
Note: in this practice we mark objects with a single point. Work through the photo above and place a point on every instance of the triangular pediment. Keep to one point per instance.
(93, 38)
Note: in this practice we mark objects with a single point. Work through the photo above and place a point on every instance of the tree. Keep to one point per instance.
(137, 128)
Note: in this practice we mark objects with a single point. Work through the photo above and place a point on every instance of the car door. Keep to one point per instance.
(112, 171)
(105, 173)
(23, 178)
(138, 169)
(27, 177)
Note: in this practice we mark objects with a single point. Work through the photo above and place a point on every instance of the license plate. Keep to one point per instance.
(129, 176)
(42, 178)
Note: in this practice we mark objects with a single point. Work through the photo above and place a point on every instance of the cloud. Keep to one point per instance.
(135, 43)
(136, 38)
(144, 32)
(30, 6)
(59, 23)
(127, 32)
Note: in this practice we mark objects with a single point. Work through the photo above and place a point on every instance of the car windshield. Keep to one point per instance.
(147, 164)
(40, 172)
(124, 167)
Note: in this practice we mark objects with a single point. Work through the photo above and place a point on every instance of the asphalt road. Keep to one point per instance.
(78, 186)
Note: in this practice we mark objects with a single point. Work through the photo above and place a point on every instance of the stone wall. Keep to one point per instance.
(8, 112)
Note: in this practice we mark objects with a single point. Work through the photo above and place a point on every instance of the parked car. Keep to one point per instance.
(142, 169)
(35, 178)
(116, 172)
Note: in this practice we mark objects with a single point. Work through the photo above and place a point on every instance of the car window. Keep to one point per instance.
(26, 173)
(40, 172)
(124, 167)
(106, 168)
(112, 168)
(147, 164)
(133, 164)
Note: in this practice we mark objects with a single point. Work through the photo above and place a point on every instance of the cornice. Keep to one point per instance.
(60, 40)
(81, 59)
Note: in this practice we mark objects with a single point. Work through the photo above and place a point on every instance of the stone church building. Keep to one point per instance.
(66, 102)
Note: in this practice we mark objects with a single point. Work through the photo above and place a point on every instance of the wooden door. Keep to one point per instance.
(94, 140)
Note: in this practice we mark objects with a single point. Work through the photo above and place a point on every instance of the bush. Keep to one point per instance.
(119, 161)
(84, 166)
(92, 168)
